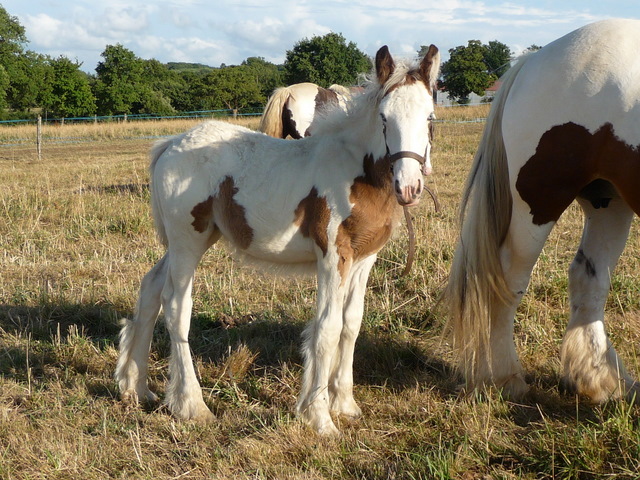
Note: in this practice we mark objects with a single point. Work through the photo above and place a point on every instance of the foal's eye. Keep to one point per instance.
(384, 119)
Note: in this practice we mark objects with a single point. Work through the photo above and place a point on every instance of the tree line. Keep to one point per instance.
(126, 84)
(123, 83)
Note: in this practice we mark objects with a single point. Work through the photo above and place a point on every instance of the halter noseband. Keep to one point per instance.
(407, 154)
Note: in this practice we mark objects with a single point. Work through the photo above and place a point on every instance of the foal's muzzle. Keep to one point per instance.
(409, 195)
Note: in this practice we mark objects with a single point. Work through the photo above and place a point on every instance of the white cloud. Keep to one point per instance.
(51, 33)
(229, 31)
(125, 19)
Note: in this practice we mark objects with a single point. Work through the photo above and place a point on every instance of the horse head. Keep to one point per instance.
(407, 113)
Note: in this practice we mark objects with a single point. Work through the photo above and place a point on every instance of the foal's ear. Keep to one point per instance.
(430, 66)
(384, 65)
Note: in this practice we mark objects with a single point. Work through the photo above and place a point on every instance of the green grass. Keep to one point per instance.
(77, 238)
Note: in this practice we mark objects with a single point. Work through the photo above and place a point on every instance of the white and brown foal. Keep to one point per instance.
(324, 204)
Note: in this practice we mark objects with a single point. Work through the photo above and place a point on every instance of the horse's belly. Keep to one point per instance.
(288, 247)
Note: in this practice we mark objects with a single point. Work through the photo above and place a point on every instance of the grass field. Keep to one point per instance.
(77, 237)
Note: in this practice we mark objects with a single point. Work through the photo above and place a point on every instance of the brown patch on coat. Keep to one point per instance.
(231, 214)
(568, 161)
(325, 97)
(312, 216)
(289, 127)
(374, 214)
(202, 215)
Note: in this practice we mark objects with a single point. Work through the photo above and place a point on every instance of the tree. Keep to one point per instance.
(118, 81)
(12, 36)
(233, 88)
(4, 84)
(24, 70)
(267, 75)
(532, 48)
(466, 71)
(70, 92)
(325, 60)
(497, 57)
(159, 86)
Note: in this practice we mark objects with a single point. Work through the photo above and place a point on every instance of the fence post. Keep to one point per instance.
(39, 138)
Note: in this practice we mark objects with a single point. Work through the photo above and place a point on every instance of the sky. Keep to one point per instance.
(215, 32)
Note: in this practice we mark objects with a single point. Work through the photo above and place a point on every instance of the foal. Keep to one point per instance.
(327, 203)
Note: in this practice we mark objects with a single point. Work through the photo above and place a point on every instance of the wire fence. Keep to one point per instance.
(221, 113)
(40, 122)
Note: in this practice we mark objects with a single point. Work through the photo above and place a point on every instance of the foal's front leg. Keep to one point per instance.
(341, 381)
(321, 339)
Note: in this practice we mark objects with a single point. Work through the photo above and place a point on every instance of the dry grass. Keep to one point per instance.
(77, 238)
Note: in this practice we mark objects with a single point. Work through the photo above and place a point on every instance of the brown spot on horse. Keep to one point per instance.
(232, 214)
(571, 162)
(374, 214)
(312, 216)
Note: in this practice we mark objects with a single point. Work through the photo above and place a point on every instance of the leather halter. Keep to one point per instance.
(407, 154)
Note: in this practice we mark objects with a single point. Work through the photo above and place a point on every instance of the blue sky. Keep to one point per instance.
(225, 31)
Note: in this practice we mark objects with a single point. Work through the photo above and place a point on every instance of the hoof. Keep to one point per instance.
(196, 411)
(131, 397)
(322, 424)
(514, 387)
(348, 410)
(327, 429)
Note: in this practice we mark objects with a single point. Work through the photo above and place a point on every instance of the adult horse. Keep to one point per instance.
(324, 204)
(291, 110)
(565, 125)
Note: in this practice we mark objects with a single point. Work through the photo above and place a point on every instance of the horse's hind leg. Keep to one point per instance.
(341, 380)
(591, 364)
(135, 338)
(518, 255)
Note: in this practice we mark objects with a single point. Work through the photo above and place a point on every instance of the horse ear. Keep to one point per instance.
(430, 66)
(384, 65)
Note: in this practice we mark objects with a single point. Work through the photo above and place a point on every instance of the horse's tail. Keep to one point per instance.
(477, 286)
(271, 121)
(156, 152)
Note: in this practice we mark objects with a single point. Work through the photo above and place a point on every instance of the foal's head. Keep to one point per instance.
(407, 111)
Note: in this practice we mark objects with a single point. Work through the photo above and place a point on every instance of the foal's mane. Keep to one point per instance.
(358, 106)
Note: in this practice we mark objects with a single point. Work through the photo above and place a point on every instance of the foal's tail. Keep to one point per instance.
(271, 121)
(156, 152)
(477, 286)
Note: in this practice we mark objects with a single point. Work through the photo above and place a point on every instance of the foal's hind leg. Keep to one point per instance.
(341, 380)
(184, 395)
(591, 364)
(135, 338)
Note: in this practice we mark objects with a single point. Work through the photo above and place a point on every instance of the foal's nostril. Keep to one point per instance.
(398, 189)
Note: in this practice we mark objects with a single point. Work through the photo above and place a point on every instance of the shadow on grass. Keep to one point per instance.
(36, 341)
(140, 189)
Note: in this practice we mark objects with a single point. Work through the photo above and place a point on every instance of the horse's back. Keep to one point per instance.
(245, 184)
(589, 77)
(573, 115)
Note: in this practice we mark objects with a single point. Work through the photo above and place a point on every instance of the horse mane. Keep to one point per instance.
(335, 120)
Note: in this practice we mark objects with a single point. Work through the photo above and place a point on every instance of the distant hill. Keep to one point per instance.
(182, 66)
